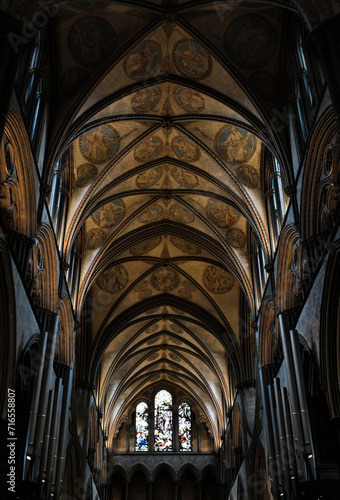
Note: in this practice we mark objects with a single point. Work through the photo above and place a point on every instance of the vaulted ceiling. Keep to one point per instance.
(165, 109)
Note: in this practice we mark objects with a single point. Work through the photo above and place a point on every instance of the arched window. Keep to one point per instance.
(142, 427)
(170, 424)
(163, 421)
(184, 427)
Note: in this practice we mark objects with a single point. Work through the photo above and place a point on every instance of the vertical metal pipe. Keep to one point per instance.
(283, 442)
(43, 471)
(269, 434)
(276, 436)
(310, 455)
(63, 430)
(46, 383)
(57, 431)
(290, 442)
(38, 368)
(53, 432)
(293, 396)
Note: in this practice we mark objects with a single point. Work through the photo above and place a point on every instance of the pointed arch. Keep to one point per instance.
(288, 273)
(65, 340)
(49, 275)
(270, 351)
(21, 185)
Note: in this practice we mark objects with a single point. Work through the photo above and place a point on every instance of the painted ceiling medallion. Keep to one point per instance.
(152, 328)
(95, 238)
(180, 214)
(175, 328)
(113, 280)
(221, 214)
(191, 59)
(248, 176)
(234, 144)
(142, 289)
(99, 144)
(165, 279)
(188, 99)
(85, 174)
(250, 42)
(145, 246)
(149, 177)
(217, 280)
(151, 214)
(149, 149)
(185, 149)
(235, 237)
(143, 61)
(110, 214)
(184, 177)
(146, 100)
(91, 41)
(185, 245)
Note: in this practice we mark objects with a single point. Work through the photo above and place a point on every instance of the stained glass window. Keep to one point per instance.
(163, 421)
(142, 427)
(184, 427)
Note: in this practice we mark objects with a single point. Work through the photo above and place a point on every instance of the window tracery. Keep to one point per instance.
(169, 423)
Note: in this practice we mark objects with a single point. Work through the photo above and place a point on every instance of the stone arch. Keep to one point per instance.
(320, 189)
(64, 346)
(49, 276)
(289, 273)
(270, 351)
(166, 467)
(188, 480)
(8, 344)
(17, 184)
(209, 483)
(139, 483)
(117, 483)
(136, 467)
(164, 479)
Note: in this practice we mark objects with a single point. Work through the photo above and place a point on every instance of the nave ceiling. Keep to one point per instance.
(164, 114)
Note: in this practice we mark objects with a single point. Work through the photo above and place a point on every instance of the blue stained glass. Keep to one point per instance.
(184, 427)
(142, 427)
(163, 421)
